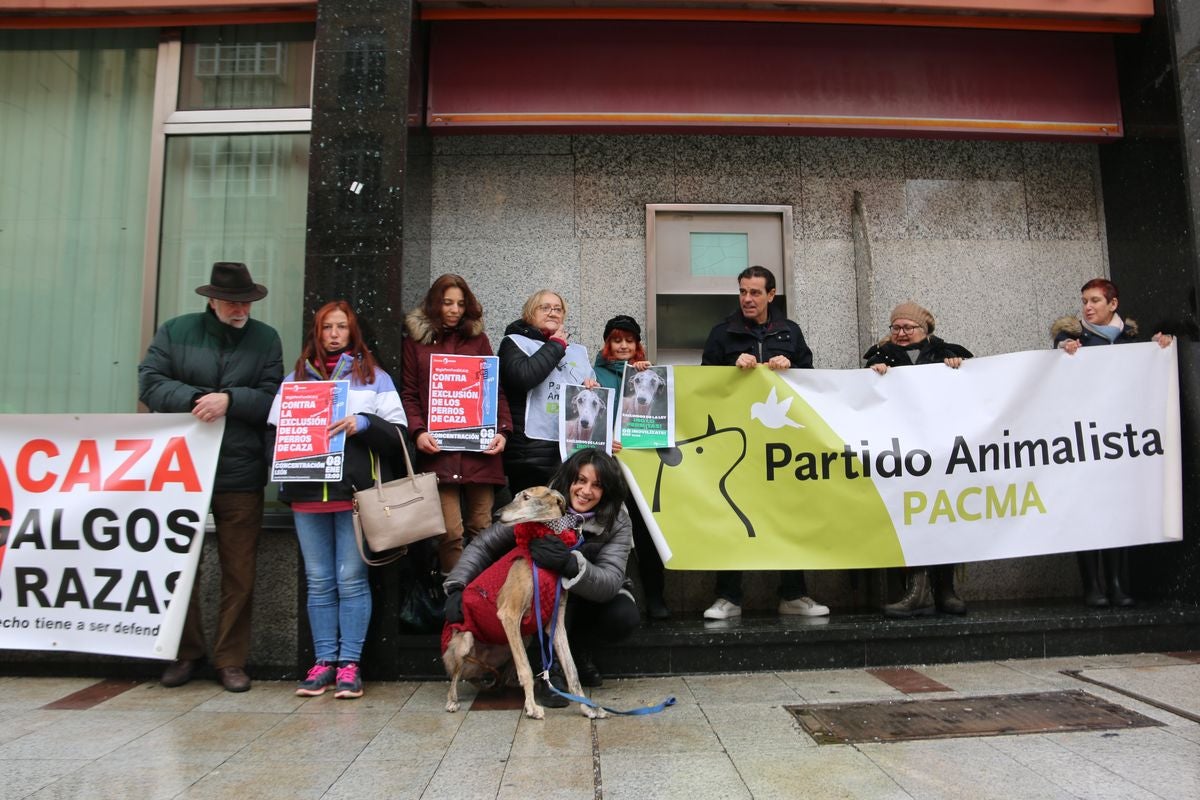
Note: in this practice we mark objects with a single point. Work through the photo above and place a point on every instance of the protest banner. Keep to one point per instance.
(584, 419)
(102, 521)
(647, 408)
(1011, 455)
(304, 450)
(463, 401)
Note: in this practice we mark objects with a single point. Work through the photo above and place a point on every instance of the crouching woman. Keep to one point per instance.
(601, 608)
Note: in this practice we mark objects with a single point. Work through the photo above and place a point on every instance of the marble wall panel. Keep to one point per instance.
(947, 160)
(613, 281)
(1061, 190)
(738, 169)
(966, 209)
(527, 199)
(851, 158)
(826, 305)
(503, 274)
(982, 294)
(828, 202)
(615, 178)
(1060, 268)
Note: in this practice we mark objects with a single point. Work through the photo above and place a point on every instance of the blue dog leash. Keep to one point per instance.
(546, 647)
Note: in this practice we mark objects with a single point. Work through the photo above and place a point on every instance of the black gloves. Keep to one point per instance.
(549, 552)
(454, 612)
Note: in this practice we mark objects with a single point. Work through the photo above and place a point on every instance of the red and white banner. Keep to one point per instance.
(101, 525)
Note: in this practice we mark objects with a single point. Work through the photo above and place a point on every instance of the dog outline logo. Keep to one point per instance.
(670, 457)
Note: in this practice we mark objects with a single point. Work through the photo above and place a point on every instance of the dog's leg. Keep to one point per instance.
(514, 600)
(460, 646)
(563, 649)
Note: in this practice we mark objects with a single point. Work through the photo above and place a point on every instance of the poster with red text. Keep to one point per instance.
(304, 450)
(101, 523)
(463, 398)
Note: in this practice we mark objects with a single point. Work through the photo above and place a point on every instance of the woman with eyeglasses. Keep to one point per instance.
(536, 361)
(911, 341)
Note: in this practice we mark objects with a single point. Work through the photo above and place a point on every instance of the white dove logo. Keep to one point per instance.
(772, 413)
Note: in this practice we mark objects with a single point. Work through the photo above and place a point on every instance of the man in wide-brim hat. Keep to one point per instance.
(221, 364)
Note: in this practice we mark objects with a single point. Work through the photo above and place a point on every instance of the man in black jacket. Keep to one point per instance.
(220, 364)
(759, 335)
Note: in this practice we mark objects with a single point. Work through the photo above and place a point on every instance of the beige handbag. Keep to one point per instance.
(393, 515)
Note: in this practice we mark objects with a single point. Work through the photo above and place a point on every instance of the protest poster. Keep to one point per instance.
(542, 402)
(1012, 455)
(101, 523)
(647, 408)
(584, 419)
(304, 450)
(463, 401)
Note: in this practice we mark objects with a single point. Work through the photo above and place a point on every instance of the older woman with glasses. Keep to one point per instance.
(911, 341)
(536, 361)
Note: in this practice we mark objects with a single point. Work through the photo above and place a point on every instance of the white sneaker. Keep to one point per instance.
(723, 609)
(801, 606)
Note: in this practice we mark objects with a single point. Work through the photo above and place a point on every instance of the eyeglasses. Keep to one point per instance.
(905, 328)
(546, 308)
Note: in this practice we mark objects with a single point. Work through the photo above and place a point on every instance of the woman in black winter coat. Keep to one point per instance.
(911, 341)
(1105, 573)
(536, 361)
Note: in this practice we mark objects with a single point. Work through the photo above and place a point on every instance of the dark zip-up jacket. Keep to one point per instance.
(933, 351)
(195, 354)
(735, 335)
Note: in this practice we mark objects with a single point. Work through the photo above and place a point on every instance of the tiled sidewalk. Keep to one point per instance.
(729, 737)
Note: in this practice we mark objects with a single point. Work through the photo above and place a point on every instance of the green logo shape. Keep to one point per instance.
(711, 496)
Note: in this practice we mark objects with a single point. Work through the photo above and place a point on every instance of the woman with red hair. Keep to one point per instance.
(339, 597)
(1105, 573)
(450, 321)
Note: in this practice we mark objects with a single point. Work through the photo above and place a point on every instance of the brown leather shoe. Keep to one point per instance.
(234, 679)
(178, 673)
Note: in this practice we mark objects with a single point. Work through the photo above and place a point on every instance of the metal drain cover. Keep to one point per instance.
(948, 718)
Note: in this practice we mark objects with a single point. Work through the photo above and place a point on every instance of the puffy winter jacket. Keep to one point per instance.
(932, 351)
(195, 354)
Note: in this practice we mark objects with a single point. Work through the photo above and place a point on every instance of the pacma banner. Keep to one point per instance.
(101, 524)
(1012, 455)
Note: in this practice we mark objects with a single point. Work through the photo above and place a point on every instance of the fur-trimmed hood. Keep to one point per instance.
(1073, 327)
(421, 329)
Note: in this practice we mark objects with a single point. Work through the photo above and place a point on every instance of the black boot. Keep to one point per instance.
(1089, 570)
(543, 695)
(1116, 571)
(917, 602)
(656, 607)
(947, 600)
(589, 673)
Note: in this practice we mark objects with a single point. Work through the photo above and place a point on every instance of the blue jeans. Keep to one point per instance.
(339, 596)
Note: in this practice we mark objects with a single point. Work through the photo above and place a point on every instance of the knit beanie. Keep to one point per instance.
(916, 313)
(623, 322)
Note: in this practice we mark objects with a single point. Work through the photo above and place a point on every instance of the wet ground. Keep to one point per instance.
(729, 736)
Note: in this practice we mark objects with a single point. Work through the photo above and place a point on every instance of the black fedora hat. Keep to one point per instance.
(231, 281)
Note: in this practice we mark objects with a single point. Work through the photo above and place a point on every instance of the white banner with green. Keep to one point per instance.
(1012, 455)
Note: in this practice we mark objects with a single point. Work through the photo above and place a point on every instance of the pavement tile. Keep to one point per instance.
(548, 778)
(22, 778)
(85, 734)
(1150, 758)
(485, 734)
(677, 776)
(303, 738)
(942, 769)
(223, 733)
(30, 693)
(456, 780)
(757, 728)
(396, 780)
(376, 697)
(765, 688)
(629, 693)
(153, 696)
(1176, 685)
(15, 724)
(676, 730)
(830, 771)
(264, 780)
(1079, 776)
(988, 677)
(121, 779)
(411, 732)
(839, 686)
(558, 735)
(273, 697)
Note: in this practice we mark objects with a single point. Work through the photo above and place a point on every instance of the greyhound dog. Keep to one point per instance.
(588, 408)
(642, 390)
(465, 656)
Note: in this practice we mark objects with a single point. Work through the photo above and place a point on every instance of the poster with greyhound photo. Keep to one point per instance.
(585, 419)
(647, 408)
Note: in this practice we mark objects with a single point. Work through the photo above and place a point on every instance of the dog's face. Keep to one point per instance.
(535, 504)
(588, 407)
(646, 385)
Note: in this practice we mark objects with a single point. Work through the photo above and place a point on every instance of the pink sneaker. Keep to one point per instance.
(349, 682)
(320, 677)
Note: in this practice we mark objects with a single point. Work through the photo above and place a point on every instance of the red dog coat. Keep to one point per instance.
(479, 598)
